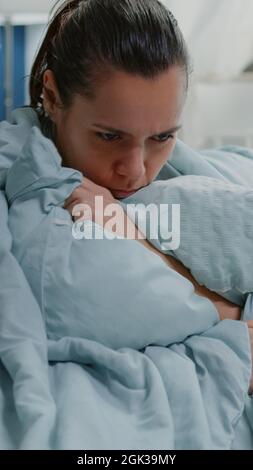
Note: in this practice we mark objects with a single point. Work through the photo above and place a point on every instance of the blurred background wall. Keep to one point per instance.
(219, 34)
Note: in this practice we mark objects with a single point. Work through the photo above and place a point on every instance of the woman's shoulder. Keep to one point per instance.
(24, 115)
(14, 133)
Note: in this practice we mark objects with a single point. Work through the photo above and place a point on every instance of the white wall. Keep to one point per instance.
(10, 7)
(220, 113)
(22, 12)
(219, 34)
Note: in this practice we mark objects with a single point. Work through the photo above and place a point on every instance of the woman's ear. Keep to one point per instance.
(51, 98)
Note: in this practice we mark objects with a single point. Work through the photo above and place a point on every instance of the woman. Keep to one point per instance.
(109, 83)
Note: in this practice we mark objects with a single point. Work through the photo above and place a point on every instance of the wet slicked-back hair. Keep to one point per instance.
(87, 39)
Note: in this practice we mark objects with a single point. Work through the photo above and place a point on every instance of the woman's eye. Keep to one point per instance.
(109, 137)
(164, 138)
(106, 136)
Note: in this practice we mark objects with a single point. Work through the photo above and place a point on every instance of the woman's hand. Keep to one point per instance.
(85, 194)
(250, 326)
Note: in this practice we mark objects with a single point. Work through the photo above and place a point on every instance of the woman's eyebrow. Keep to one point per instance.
(119, 131)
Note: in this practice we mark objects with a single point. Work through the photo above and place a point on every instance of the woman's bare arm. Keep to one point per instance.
(225, 308)
(250, 326)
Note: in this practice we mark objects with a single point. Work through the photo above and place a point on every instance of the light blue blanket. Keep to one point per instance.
(136, 359)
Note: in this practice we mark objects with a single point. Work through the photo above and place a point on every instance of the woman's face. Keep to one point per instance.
(122, 138)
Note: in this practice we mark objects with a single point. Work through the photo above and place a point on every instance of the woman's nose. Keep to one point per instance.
(132, 164)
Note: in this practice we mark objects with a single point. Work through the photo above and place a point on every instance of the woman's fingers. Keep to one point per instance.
(83, 200)
(75, 196)
(250, 326)
(70, 202)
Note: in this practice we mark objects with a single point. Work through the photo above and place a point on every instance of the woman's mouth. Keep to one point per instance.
(120, 194)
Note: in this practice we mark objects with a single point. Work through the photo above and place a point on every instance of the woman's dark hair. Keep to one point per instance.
(87, 39)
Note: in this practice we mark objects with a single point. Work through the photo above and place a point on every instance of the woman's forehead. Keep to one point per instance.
(124, 86)
(127, 100)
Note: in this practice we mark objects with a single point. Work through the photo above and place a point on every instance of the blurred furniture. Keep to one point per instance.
(219, 113)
